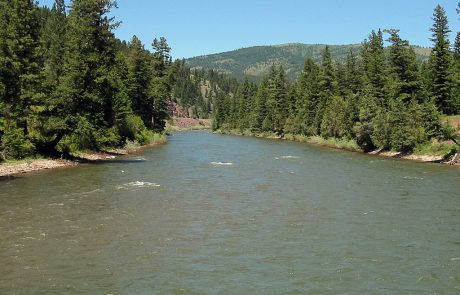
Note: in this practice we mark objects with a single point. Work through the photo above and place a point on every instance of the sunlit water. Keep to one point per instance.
(210, 214)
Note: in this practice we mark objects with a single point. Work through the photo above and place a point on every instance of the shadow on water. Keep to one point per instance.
(117, 158)
(7, 178)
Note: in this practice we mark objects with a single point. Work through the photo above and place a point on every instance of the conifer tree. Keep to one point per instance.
(276, 100)
(308, 90)
(364, 129)
(456, 72)
(260, 106)
(47, 120)
(334, 119)
(244, 94)
(354, 81)
(89, 84)
(138, 82)
(404, 69)
(440, 62)
(455, 75)
(53, 40)
(160, 85)
(353, 75)
(328, 87)
(374, 66)
(20, 79)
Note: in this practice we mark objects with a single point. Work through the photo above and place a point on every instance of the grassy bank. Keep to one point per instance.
(39, 162)
(343, 144)
(435, 151)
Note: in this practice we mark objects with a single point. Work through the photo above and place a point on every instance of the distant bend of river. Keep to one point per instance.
(213, 214)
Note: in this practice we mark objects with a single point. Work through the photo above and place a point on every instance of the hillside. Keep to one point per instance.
(255, 61)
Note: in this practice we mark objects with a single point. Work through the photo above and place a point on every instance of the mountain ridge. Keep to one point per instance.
(254, 61)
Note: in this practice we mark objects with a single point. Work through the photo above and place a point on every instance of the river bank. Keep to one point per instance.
(443, 154)
(17, 167)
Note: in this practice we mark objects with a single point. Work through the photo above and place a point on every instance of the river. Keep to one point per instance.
(214, 214)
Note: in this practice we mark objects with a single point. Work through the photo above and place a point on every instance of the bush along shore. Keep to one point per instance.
(432, 152)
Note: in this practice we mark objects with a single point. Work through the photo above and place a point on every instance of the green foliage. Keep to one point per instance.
(363, 128)
(131, 126)
(386, 98)
(375, 66)
(407, 130)
(267, 124)
(378, 102)
(334, 119)
(66, 83)
(404, 68)
(441, 62)
(436, 148)
(15, 145)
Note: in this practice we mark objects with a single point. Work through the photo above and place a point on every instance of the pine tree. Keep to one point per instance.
(374, 66)
(160, 85)
(354, 80)
(47, 120)
(328, 87)
(20, 79)
(353, 75)
(334, 119)
(404, 67)
(440, 61)
(364, 128)
(456, 74)
(89, 84)
(293, 122)
(139, 77)
(276, 100)
(260, 106)
(308, 90)
(244, 94)
(53, 40)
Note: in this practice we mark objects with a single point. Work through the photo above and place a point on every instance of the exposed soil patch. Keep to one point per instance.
(189, 123)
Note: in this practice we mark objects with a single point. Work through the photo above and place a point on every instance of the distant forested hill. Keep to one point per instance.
(256, 61)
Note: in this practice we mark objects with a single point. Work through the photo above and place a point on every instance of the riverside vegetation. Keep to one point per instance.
(67, 85)
(377, 100)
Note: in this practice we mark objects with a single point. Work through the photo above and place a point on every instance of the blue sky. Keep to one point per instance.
(197, 27)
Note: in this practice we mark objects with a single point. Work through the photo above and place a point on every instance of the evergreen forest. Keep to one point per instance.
(382, 98)
(68, 84)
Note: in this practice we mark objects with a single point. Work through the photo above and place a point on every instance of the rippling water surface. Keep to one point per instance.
(210, 214)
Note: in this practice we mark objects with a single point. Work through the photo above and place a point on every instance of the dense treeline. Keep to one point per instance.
(379, 98)
(66, 82)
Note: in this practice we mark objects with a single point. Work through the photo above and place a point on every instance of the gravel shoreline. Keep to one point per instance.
(11, 169)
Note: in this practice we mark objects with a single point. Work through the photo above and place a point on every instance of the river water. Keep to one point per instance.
(212, 214)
